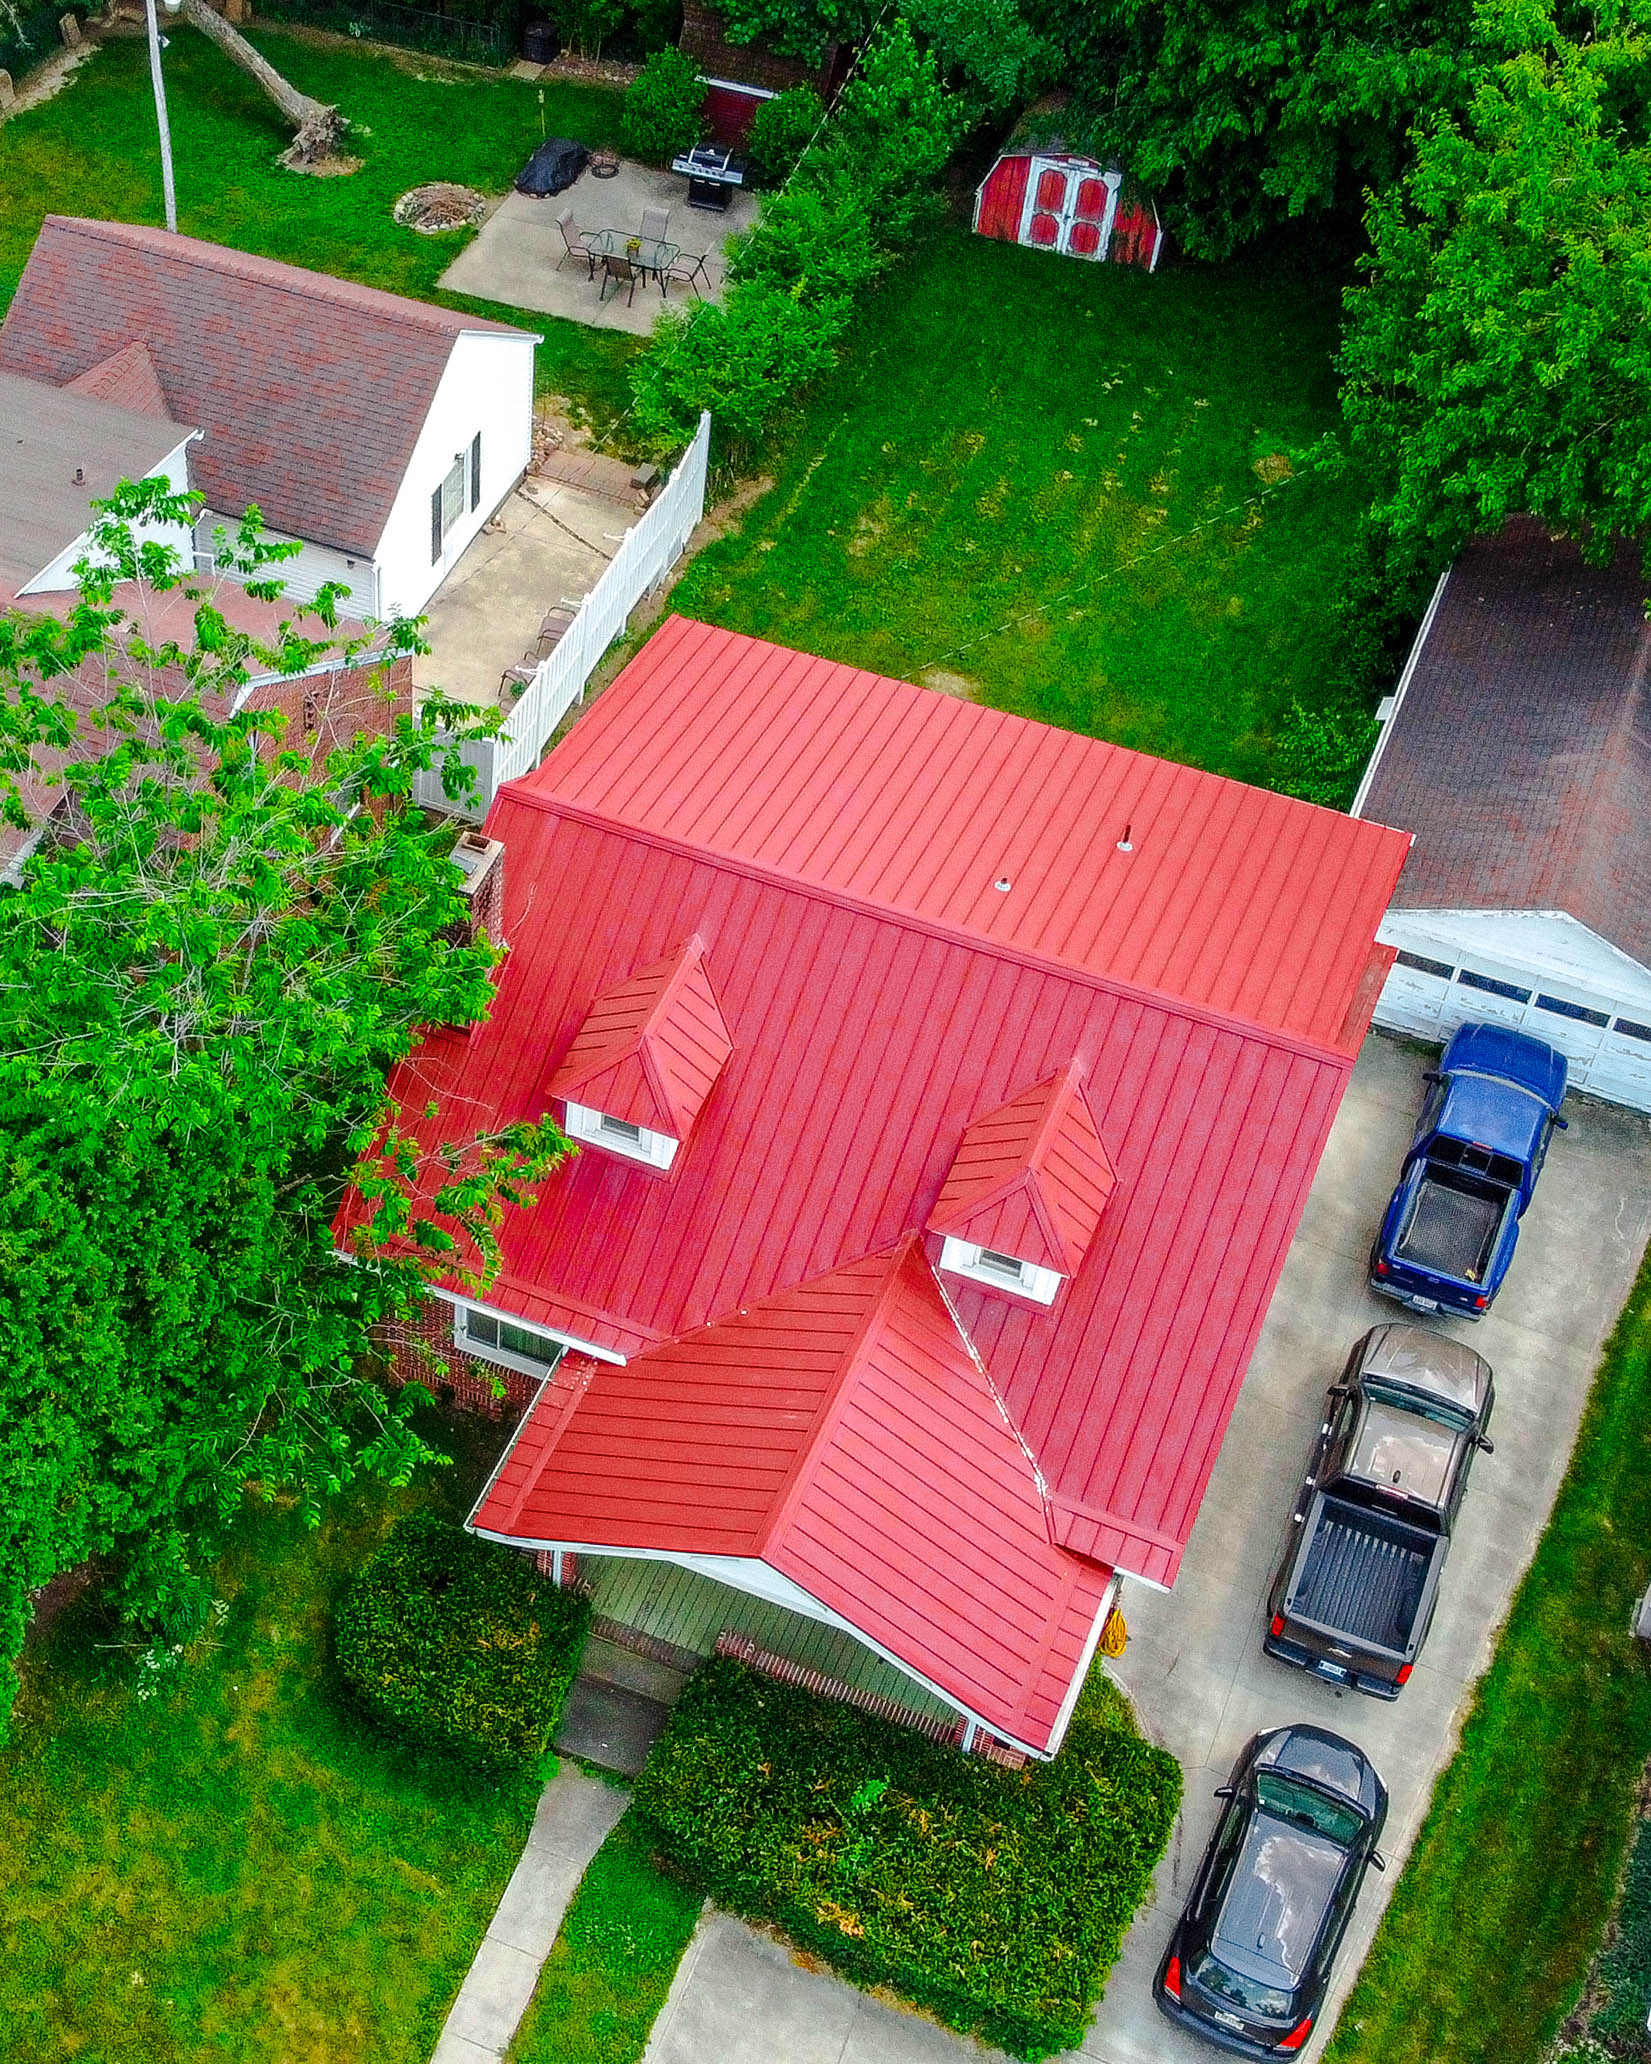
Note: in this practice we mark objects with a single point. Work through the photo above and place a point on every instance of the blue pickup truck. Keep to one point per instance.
(1491, 1108)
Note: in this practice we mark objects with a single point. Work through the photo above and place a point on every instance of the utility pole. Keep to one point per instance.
(160, 116)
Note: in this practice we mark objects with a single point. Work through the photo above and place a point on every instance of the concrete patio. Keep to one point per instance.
(516, 257)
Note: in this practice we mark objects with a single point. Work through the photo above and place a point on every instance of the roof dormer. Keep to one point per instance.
(645, 1059)
(1020, 1206)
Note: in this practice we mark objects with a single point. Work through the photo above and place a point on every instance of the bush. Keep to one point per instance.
(1322, 753)
(739, 360)
(662, 108)
(459, 1645)
(781, 130)
(814, 242)
(995, 1898)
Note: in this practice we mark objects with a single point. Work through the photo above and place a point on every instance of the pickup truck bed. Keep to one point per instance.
(1452, 1228)
(1363, 1575)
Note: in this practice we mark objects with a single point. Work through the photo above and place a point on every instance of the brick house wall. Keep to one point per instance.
(416, 1345)
(326, 710)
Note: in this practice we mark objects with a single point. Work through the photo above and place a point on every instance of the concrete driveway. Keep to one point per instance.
(1194, 1665)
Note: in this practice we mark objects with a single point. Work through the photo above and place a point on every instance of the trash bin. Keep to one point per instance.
(540, 42)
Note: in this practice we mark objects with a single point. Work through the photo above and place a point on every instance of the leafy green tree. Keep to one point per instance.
(781, 130)
(662, 115)
(1251, 115)
(202, 986)
(998, 56)
(1498, 355)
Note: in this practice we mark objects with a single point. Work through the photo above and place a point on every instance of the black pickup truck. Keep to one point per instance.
(1355, 1592)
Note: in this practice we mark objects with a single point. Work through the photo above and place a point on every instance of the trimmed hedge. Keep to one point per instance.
(995, 1898)
(459, 1645)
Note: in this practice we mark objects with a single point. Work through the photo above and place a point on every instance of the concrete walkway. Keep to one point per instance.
(575, 1816)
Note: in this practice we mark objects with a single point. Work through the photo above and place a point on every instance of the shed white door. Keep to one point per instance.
(1069, 208)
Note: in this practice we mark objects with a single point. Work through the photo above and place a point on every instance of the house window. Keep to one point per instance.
(502, 1340)
(1562, 1009)
(1492, 987)
(1001, 1271)
(620, 1136)
(447, 506)
(476, 471)
(1424, 966)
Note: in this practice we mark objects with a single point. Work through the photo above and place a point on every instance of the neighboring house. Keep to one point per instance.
(739, 77)
(379, 432)
(1518, 750)
(947, 1089)
(1053, 199)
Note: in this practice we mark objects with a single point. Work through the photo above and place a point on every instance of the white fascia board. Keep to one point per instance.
(1399, 693)
(511, 1318)
(1063, 1718)
(758, 1579)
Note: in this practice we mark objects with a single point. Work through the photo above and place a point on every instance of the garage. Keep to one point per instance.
(1517, 750)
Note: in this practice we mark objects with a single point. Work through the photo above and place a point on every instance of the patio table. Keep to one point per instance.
(651, 254)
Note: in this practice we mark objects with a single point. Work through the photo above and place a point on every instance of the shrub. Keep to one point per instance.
(739, 360)
(813, 241)
(891, 132)
(662, 108)
(995, 1898)
(459, 1645)
(1322, 753)
(781, 130)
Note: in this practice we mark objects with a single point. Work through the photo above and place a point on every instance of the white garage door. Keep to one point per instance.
(1609, 1055)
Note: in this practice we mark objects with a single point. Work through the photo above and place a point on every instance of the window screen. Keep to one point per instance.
(487, 1331)
(1563, 1009)
(1424, 966)
(1630, 1030)
(1492, 987)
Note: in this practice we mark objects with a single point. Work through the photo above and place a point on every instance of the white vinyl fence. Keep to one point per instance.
(650, 549)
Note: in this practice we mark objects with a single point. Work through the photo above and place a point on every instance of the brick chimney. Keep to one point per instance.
(481, 860)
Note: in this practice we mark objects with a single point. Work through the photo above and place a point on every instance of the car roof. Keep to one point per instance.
(1273, 1913)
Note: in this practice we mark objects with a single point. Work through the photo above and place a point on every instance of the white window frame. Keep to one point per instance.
(963, 1258)
(507, 1358)
(599, 1129)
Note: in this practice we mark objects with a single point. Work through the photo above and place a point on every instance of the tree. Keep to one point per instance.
(1498, 355)
(1252, 115)
(201, 989)
(320, 128)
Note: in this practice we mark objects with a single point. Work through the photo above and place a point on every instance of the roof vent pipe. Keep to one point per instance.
(1124, 845)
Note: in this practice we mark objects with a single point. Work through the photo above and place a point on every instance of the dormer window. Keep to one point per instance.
(1001, 1271)
(621, 1136)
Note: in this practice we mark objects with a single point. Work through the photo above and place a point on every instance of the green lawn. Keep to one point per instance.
(606, 1978)
(1010, 432)
(93, 151)
(235, 1868)
(1500, 1907)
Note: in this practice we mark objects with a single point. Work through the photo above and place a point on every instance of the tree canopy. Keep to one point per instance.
(1498, 353)
(202, 984)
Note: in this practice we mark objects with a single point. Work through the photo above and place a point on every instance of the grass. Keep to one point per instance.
(606, 1978)
(1012, 433)
(93, 151)
(1491, 1928)
(236, 1867)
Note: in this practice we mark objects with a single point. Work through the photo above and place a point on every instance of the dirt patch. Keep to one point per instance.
(325, 168)
(55, 1598)
(1273, 468)
(951, 684)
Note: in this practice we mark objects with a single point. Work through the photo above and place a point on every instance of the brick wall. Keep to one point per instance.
(416, 1345)
(327, 710)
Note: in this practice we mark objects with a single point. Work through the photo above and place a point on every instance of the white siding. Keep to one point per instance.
(487, 388)
(174, 470)
(302, 577)
(1544, 957)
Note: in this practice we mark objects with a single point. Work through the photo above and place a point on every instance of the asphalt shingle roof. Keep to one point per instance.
(311, 390)
(1520, 754)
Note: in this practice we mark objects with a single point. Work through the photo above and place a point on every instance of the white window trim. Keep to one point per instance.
(653, 1149)
(571, 1341)
(481, 1351)
(962, 1258)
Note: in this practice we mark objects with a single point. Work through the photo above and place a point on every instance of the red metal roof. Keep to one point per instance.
(878, 1004)
(843, 1434)
(1031, 1178)
(1245, 903)
(650, 1049)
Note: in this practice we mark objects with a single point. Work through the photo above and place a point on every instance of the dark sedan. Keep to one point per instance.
(1250, 1959)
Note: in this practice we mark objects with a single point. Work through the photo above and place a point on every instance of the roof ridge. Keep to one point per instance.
(280, 274)
(517, 792)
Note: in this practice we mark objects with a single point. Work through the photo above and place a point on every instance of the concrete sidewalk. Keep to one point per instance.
(575, 1816)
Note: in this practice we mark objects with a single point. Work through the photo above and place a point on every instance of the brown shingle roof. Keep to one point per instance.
(311, 390)
(1520, 754)
(128, 379)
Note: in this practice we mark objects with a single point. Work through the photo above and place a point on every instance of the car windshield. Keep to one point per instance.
(1419, 1402)
(1215, 1977)
(1307, 1806)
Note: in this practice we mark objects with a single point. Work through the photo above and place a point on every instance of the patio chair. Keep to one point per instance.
(616, 272)
(655, 223)
(574, 239)
(688, 267)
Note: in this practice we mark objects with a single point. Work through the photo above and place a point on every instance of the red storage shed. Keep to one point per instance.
(1058, 200)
